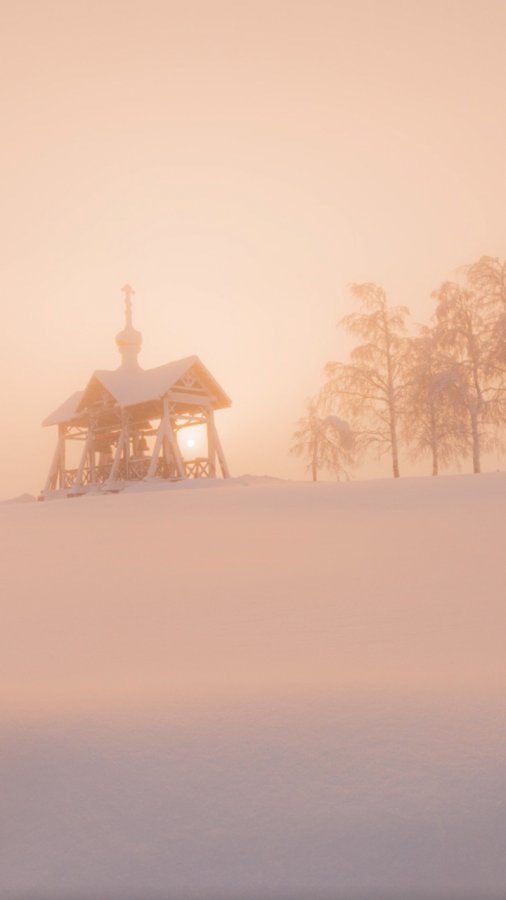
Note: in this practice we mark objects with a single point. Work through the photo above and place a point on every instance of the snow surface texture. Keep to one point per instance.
(267, 690)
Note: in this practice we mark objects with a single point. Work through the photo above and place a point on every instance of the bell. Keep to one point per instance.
(103, 446)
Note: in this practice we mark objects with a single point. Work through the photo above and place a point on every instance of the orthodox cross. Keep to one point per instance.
(128, 292)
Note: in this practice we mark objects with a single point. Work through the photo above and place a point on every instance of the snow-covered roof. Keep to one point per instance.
(130, 386)
(66, 411)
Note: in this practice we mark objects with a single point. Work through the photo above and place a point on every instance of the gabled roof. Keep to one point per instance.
(131, 386)
(66, 411)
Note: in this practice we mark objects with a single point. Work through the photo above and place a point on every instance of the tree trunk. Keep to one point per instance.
(392, 409)
(395, 449)
(395, 463)
(434, 441)
(314, 461)
(476, 443)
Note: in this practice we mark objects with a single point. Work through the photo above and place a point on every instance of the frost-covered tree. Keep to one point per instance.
(462, 328)
(369, 388)
(487, 280)
(326, 442)
(432, 423)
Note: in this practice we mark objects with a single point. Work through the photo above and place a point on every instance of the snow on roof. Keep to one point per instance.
(132, 385)
(129, 386)
(66, 411)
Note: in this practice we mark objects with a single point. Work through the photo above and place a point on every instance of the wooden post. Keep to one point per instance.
(91, 456)
(156, 450)
(52, 476)
(172, 440)
(126, 445)
(221, 456)
(211, 444)
(62, 431)
(84, 456)
(117, 458)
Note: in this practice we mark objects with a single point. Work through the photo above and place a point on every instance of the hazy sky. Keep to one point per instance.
(239, 163)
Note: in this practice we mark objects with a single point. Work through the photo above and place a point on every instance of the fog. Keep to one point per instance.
(240, 165)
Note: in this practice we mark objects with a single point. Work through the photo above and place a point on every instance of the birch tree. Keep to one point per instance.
(487, 280)
(326, 442)
(370, 387)
(462, 331)
(432, 423)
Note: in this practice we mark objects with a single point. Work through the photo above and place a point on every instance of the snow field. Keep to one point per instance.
(264, 690)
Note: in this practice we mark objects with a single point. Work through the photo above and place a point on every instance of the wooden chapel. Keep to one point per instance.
(127, 422)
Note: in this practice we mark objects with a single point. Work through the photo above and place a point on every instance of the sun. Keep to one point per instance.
(191, 440)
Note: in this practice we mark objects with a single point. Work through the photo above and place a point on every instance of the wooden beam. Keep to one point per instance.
(84, 456)
(156, 450)
(172, 440)
(219, 450)
(126, 445)
(203, 399)
(93, 474)
(117, 458)
(52, 476)
(211, 444)
(189, 421)
(61, 462)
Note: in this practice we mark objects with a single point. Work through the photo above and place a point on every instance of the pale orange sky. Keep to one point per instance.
(239, 163)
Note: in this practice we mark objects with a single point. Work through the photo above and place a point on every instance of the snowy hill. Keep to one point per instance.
(266, 690)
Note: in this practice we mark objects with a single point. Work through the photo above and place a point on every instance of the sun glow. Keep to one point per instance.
(193, 441)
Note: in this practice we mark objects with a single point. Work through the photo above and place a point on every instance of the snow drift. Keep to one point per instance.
(267, 690)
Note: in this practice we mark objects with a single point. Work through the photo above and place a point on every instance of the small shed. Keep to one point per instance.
(127, 423)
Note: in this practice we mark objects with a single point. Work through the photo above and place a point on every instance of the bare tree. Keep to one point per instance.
(369, 387)
(463, 333)
(487, 280)
(327, 442)
(432, 424)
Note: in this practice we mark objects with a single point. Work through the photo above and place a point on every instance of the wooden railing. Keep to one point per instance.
(137, 471)
(197, 468)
